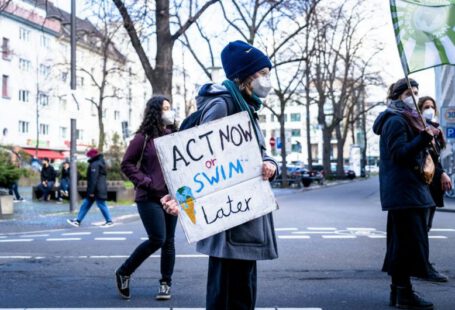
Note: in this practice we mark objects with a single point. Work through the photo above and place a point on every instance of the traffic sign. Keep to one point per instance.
(450, 132)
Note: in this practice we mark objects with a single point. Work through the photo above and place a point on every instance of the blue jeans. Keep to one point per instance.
(160, 228)
(87, 204)
(45, 190)
(13, 189)
(64, 186)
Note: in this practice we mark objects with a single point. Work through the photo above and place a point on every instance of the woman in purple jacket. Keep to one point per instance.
(140, 164)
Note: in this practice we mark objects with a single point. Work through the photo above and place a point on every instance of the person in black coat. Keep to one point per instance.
(48, 176)
(441, 181)
(96, 189)
(64, 180)
(404, 193)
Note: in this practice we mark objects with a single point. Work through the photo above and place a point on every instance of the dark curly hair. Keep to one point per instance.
(152, 123)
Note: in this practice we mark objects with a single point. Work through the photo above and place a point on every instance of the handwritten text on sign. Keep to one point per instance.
(214, 172)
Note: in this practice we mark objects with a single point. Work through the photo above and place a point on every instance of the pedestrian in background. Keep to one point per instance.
(13, 189)
(48, 176)
(140, 164)
(441, 181)
(96, 189)
(64, 181)
(232, 271)
(404, 194)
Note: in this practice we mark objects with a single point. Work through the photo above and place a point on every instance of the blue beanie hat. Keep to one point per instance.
(241, 60)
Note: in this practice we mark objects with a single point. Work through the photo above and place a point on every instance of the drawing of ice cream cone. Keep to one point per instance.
(186, 200)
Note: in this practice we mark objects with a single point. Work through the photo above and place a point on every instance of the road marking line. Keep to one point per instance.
(16, 240)
(117, 232)
(144, 238)
(311, 232)
(321, 228)
(110, 239)
(361, 228)
(339, 237)
(442, 229)
(15, 257)
(63, 239)
(437, 237)
(286, 229)
(3, 237)
(85, 233)
(377, 236)
(294, 237)
(33, 236)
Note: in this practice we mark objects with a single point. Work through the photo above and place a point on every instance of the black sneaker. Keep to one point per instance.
(435, 276)
(123, 285)
(73, 222)
(164, 292)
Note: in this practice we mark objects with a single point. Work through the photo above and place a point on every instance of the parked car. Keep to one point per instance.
(309, 177)
(348, 173)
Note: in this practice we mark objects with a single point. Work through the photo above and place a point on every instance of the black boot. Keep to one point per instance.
(393, 295)
(406, 298)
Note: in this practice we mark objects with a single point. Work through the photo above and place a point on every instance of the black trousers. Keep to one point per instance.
(160, 228)
(407, 243)
(231, 284)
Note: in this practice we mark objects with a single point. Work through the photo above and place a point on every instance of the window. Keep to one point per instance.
(296, 133)
(93, 108)
(273, 118)
(63, 102)
(79, 134)
(24, 95)
(44, 70)
(44, 129)
(80, 81)
(64, 76)
(43, 99)
(5, 49)
(5, 92)
(63, 131)
(295, 117)
(23, 127)
(262, 118)
(116, 115)
(25, 65)
(45, 42)
(24, 34)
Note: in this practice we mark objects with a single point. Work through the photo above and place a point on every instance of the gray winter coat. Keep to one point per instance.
(254, 240)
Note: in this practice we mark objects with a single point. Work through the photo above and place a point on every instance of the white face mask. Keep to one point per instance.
(261, 86)
(168, 117)
(410, 103)
(429, 114)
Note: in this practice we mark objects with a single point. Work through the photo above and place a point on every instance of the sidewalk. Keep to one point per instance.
(38, 215)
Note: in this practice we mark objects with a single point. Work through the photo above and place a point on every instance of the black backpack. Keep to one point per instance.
(194, 118)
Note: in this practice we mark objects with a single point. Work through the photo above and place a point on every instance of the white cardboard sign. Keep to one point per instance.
(214, 171)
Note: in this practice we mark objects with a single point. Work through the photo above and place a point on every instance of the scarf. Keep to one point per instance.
(253, 104)
(411, 115)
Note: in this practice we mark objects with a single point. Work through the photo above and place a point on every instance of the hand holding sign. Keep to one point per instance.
(215, 176)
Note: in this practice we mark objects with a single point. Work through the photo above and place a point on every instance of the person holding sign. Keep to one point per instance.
(231, 279)
(441, 181)
(404, 193)
(140, 164)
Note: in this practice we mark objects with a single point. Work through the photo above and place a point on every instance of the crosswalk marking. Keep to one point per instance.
(63, 239)
(294, 237)
(84, 233)
(110, 239)
(16, 240)
(34, 236)
(437, 237)
(339, 237)
(442, 229)
(117, 232)
(321, 228)
(286, 229)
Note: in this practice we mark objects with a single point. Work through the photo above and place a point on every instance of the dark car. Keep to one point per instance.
(348, 173)
(309, 177)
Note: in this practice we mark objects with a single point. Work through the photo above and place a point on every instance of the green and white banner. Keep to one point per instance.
(425, 32)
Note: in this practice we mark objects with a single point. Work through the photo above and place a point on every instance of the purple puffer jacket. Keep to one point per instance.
(148, 179)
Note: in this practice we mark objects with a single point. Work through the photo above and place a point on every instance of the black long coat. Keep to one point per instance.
(401, 150)
(96, 178)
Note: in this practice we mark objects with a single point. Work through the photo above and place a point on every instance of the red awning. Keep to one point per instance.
(45, 153)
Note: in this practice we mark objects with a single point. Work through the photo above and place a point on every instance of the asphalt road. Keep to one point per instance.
(331, 243)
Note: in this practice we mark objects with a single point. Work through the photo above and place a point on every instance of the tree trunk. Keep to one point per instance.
(101, 135)
(326, 149)
(340, 148)
(284, 175)
(162, 75)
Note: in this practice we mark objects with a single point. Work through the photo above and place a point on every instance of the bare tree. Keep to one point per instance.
(111, 66)
(160, 75)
